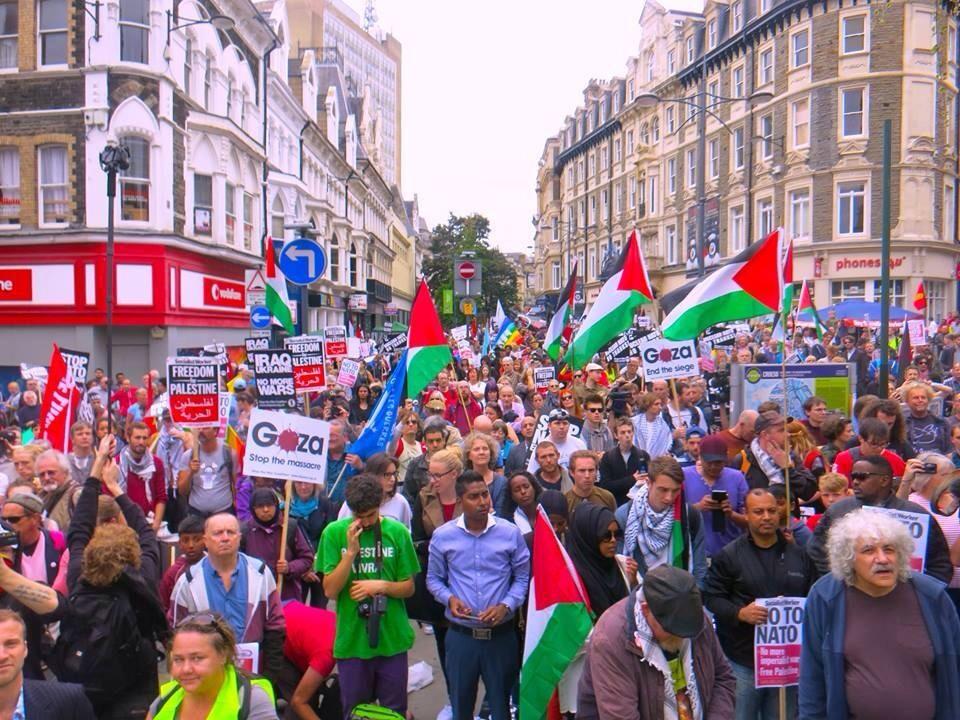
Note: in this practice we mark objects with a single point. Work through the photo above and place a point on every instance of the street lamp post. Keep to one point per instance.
(700, 109)
(114, 158)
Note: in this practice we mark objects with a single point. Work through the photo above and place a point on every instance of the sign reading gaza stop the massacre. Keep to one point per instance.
(307, 354)
(663, 359)
(193, 391)
(776, 643)
(286, 447)
(273, 370)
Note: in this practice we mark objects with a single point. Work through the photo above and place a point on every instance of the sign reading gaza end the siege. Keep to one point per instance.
(273, 369)
(193, 390)
(308, 370)
(286, 447)
(663, 359)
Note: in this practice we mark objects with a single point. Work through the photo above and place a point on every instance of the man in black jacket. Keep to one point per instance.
(622, 464)
(759, 564)
(872, 479)
(41, 698)
(519, 454)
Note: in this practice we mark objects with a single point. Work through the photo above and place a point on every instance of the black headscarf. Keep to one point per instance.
(601, 576)
(264, 496)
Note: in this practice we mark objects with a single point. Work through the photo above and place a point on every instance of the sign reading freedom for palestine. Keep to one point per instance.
(193, 390)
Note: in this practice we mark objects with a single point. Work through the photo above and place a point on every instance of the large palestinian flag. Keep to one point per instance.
(558, 620)
(748, 286)
(612, 312)
(560, 322)
(428, 352)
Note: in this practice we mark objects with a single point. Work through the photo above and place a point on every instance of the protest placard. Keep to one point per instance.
(919, 526)
(38, 373)
(918, 334)
(217, 351)
(394, 343)
(273, 369)
(663, 359)
(78, 364)
(459, 333)
(542, 377)
(776, 643)
(286, 447)
(256, 343)
(193, 391)
(308, 370)
(335, 341)
(349, 369)
(354, 348)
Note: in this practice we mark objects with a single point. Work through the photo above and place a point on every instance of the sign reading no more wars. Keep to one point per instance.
(273, 369)
(193, 391)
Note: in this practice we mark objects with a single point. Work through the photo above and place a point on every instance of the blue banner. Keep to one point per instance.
(378, 431)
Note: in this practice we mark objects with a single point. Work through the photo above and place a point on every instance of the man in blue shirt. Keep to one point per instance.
(713, 476)
(479, 568)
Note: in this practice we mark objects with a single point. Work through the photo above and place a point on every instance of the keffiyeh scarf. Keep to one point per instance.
(647, 528)
(653, 655)
(144, 468)
(653, 436)
(770, 468)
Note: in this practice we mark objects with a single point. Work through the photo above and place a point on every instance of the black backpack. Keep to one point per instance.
(100, 644)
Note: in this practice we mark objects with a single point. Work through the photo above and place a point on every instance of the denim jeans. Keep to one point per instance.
(763, 704)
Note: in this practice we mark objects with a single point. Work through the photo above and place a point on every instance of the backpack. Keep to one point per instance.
(100, 644)
(369, 711)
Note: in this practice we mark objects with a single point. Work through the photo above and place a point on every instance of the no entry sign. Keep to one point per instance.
(467, 270)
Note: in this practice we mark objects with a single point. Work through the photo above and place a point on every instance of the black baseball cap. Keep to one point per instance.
(558, 414)
(674, 599)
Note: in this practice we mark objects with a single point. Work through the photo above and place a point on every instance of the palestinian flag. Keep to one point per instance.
(278, 302)
(559, 327)
(749, 285)
(558, 620)
(805, 305)
(612, 312)
(428, 350)
(788, 280)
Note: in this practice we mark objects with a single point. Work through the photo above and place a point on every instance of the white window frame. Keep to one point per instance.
(796, 126)
(655, 129)
(864, 34)
(795, 50)
(64, 30)
(617, 199)
(799, 203)
(736, 16)
(691, 49)
(863, 112)
(633, 192)
(763, 6)
(949, 212)
(651, 65)
(737, 81)
(737, 148)
(187, 65)
(765, 222)
(736, 234)
(12, 41)
(713, 152)
(652, 185)
(555, 274)
(198, 206)
(766, 138)
(44, 187)
(670, 120)
(671, 61)
(592, 254)
(712, 32)
(249, 220)
(136, 180)
(630, 145)
(618, 150)
(672, 175)
(142, 27)
(670, 241)
(10, 194)
(765, 66)
(847, 192)
(230, 213)
(691, 162)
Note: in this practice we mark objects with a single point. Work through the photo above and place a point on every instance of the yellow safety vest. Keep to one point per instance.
(225, 707)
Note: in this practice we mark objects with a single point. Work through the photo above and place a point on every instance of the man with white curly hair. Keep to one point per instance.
(879, 641)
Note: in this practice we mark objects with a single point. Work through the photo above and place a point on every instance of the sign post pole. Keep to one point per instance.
(287, 492)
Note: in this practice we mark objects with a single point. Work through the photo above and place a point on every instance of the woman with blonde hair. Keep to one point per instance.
(482, 455)
(803, 444)
(206, 681)
(409, 446)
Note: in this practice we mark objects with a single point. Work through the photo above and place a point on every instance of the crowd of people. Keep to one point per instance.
(146, 575)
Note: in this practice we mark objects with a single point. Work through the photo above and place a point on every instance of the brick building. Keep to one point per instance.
(809, 159)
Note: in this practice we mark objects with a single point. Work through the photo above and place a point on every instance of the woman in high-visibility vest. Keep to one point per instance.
(206, 683)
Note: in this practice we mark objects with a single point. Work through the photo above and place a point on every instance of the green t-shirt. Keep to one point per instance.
(399, 563)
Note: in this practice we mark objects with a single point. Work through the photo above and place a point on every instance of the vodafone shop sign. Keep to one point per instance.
(16, 285)
(223, 293)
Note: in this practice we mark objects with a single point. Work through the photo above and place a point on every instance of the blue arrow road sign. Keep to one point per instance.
(259, 317)
(302, 261)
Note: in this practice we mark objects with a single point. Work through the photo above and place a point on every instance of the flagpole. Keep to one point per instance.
(784, 313)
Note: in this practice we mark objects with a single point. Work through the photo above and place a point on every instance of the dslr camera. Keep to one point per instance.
(372, 609)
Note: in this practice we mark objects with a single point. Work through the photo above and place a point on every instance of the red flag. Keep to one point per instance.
(920, 299)
(60, 400)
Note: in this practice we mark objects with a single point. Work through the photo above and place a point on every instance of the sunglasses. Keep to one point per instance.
(594, 410)
(611, 536)
(203, 620)
(861, 476)
(13, 519)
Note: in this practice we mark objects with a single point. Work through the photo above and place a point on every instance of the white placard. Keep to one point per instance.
(776, 643)
(349, 369)
(918, 334)
(918, 524)
(663, 359)
(285, 446)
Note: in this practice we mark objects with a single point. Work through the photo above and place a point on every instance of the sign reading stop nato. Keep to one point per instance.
(302, 261)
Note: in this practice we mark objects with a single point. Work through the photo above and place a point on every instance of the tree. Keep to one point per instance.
(499, 275)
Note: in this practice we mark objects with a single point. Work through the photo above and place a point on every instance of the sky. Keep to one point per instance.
(484, 84)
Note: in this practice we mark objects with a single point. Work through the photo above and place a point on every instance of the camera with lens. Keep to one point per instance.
(372, 609)
(618, 400)
(8, 538)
